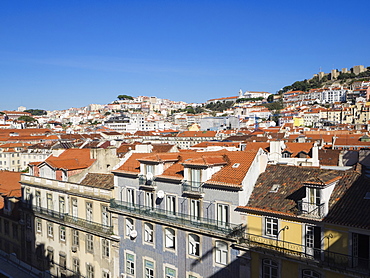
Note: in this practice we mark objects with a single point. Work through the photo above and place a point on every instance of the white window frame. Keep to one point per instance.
(271, 227)
(149, 269)
(89, 243)
(129, 226)
(223, 214)
(130, 263)
(75, 237)
(105, 215)
(105, 248)
(221, 252)
(170, 238)
(171, 204)
(195, 209)
(89, 211)
(50, 229)
(130, 196)
(194, 245)
(89, 270)
(62, 233)
(148, 232)
(149, 199)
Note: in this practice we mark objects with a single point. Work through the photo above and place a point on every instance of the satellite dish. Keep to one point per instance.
(160, 194)
(133, 234)
(149, 176)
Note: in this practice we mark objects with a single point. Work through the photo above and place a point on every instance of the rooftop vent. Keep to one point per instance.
(275, 188)
(236, 165)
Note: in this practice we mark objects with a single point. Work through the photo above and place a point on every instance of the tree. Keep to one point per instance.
(36, 112)
(28, 120)
(122, 97)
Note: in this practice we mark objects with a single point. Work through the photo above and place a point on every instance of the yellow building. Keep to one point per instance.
(307, 222)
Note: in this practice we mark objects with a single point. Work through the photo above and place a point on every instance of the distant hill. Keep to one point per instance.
(342, 78)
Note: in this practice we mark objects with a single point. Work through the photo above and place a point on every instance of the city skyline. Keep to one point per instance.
(58, 55)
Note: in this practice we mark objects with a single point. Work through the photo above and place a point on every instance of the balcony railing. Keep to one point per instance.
(176, 217)
(192, 187)
(321, 257)
(143, 181)
(66, 219)
(311, 209)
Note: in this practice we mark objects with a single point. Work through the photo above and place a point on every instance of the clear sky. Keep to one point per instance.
(62, 54)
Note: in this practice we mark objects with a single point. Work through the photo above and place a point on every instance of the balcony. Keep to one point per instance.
(311, 209)
(66, 186)
(323, 258)
(68, 220)
(176, 217)
(193, 189)
(148, 184)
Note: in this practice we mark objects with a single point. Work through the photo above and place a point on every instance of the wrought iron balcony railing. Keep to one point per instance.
(311, 209)
(66, 219)
(320, 256)
(192, 186)
(176, 217)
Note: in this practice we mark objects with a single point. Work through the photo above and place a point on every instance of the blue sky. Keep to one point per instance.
(62, 54)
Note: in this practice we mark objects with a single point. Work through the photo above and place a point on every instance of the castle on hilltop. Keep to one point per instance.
(333, 75)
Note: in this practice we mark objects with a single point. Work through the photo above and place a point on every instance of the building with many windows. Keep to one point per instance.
(65, 207)
(176, 212)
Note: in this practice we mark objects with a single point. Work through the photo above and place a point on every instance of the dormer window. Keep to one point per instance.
(195, 177)
(314, 196)
(149, 169)
(286, 155)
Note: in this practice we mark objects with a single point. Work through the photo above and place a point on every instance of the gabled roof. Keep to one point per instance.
(105, 181)
(71, 159)
(9, 184)
(291, 187)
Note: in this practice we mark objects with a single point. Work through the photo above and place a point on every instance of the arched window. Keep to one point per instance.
(170, 238)
(308, 273)
(221, 252)
(194, 242)
(270, 269)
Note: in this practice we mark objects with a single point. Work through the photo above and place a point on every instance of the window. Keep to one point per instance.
(130, 196)
(50, 256)
(89, 211)
(149, 169)
(149, 269)
(89, 271)
(74, 208)
(76, 267)
(62, 233)
(28, 195)
(169, 272)
(271, 226)
(221, 252)
(89, 243)
(195, 209)
(269, 269)
(195, 177)
(105, 215)
(308, 273)
(61, 205)
(129, 226)
(194, 243)
(38, 199)
(222, 214)
(149, 199)
(148, 232)
(38, 225)
(105, 248)
(169, 238)
(50, 230)
(106, 274)
(49, 203)
(75, 238)
(130, 264)
(314, 196)
(62, 261)
(171, 204)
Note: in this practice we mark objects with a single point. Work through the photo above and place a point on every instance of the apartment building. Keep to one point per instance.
(307, 222)
(176, 212)
(65, 207)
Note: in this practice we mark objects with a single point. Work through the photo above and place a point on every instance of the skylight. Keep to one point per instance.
(275, 188)
(236, 165)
